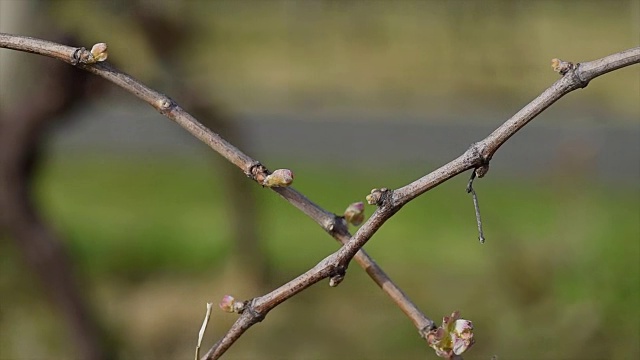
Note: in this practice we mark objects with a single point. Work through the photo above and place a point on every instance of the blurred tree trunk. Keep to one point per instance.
(22, 130)
(249, 259)
(24, 120)
(23, 127)
(167, 36)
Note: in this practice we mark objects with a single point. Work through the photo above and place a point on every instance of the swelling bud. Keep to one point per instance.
(354, 214)
(279, 178)
(99, 52)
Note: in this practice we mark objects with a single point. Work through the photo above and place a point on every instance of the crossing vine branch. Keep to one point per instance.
(388, 201)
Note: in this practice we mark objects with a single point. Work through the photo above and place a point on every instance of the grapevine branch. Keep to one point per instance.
(389, 202)
(328, 221)
(477, 157)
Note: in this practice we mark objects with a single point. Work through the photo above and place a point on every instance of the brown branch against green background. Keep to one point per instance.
(477, 157)
(330, 222)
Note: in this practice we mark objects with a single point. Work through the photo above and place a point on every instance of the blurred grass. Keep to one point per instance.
(557, 278)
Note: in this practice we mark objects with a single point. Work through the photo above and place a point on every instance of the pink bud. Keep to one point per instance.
(354, 214)
(463, 336)
(227, 303)
(455, 336)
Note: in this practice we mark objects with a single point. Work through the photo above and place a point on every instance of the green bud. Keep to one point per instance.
(99, 52)
(279, 178)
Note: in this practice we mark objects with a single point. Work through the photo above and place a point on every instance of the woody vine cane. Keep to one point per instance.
(388, 201)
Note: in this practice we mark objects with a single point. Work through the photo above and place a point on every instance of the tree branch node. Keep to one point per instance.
(478, 158)
(81, 55)
(576, 74)
(337, 225)
(77, 55)
(424, 332)
(249, 309)
(337, 274)
(379, 197)
(573, 70)
(257, 172)
(562, 67)
(165, 105)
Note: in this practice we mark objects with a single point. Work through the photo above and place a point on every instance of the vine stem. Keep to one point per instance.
(389, 201)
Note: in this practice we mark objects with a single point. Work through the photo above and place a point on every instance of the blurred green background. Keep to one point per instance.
(147, 219)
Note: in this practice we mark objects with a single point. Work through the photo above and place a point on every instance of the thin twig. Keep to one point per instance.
(391, 201)
(203, 328)
(476, 206)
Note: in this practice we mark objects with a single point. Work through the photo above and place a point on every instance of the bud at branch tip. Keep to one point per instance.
(561, 66)
(375, 196)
